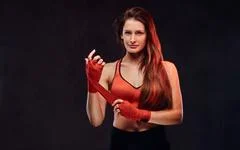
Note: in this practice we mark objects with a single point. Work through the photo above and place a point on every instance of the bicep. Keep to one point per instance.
(104, 83)
(175, 85)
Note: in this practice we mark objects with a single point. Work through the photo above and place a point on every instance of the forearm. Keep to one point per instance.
(95, 108)
(166, 117)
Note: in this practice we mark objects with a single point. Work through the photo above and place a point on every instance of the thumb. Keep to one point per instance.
(86, 61)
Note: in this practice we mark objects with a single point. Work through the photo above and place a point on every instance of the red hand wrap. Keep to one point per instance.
(93, 72)
(110, 98)
(126, 108)
(129, 111)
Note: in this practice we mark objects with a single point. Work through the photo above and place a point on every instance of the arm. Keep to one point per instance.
(95, 108)
(95, 105)
(175, 114)
(163, 117)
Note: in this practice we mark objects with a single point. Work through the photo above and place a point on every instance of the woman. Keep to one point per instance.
(145, 89)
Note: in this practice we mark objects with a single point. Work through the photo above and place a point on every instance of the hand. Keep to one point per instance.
(126, 109)
(94, 67)
(115, 105)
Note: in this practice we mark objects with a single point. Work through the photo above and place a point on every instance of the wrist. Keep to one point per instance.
(91, 88)
(145, 115)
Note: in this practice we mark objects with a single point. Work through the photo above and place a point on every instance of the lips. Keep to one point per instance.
(133, 46)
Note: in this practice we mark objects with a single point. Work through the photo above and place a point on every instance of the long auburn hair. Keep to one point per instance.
(156, 89)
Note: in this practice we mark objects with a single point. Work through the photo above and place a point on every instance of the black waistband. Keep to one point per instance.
(158, 131)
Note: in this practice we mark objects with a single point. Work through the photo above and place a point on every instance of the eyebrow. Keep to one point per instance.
(135, 30)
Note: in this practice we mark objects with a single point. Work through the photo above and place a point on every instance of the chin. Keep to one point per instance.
(133, 51)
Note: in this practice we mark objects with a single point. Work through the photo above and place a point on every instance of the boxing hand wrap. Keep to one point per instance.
(129, 111)
(93, 72)
(126, 108)
(110, 98)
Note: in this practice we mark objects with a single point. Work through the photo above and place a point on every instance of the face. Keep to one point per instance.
(134, 36)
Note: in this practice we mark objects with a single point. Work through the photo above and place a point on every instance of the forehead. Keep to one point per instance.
(132, 24)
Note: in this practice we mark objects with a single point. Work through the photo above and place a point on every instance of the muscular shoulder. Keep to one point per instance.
(109, 66)
(108, 71)
(170, 68)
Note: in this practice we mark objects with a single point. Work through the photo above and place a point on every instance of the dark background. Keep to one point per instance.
(43, 85)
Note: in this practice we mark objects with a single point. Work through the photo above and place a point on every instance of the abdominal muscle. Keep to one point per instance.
(125, 124)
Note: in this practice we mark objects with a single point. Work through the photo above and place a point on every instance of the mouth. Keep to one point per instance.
(133, 46)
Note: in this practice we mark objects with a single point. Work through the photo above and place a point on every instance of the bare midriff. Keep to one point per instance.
(125, 124)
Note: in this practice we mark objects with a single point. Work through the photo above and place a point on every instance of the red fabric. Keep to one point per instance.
(126, 108)
(110, 98)
(122, 88)
(93, 72)
(129, 111)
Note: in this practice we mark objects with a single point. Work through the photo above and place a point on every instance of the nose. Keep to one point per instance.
(132, 39)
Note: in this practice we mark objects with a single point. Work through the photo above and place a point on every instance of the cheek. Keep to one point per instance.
(125, 41)
(144, 41)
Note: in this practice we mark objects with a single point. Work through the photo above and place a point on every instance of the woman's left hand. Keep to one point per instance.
(128, 110)
(115, 105)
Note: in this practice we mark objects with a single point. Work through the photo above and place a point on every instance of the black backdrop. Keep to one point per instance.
(43, 83)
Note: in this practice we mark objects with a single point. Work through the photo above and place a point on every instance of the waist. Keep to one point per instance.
(156, 131)
(129, 125)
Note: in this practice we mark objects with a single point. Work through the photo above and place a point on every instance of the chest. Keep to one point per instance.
(132, 75)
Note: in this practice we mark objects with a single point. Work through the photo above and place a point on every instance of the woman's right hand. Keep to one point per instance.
(94, 67)
(96, 58)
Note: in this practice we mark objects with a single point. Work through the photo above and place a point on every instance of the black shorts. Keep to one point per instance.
(152, 139)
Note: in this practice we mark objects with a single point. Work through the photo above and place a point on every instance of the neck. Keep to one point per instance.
(133, 58)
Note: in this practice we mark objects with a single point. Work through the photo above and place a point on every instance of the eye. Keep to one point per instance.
(139, 32)
(127, 32)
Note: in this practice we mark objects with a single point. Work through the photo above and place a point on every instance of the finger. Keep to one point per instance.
(97, 57)
(91, 54)
(116, 108)
(86, 60)
(100, 61)
(103, 63)
(117, 102)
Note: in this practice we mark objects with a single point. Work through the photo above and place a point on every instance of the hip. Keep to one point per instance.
(151, 139)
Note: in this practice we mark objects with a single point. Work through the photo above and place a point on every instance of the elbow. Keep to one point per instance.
(95, 120)
(179, 119)
(96, 123)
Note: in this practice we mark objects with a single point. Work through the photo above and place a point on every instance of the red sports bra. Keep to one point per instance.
(122, 88)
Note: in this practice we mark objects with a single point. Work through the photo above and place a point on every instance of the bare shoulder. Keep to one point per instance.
(109, 67)
(109, 70)
(170, 67)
